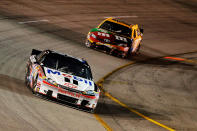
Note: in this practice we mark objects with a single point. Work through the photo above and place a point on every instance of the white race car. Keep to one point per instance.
(63, 77)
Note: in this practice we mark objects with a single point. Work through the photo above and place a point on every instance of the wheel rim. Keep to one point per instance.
(88, 44)
(34, 85)
(124, 55)
(27, 80)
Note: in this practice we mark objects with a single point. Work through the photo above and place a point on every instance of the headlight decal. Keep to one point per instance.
(89, 92)
(52, 82)
(93, 35)
(46, 82)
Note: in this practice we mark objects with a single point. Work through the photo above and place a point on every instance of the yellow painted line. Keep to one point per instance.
(110, 73)
(102, 122)
(118, 82)
(100, 83)
(138, 113)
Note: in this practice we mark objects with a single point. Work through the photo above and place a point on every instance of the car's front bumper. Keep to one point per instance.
(45, 88)
(107, 46)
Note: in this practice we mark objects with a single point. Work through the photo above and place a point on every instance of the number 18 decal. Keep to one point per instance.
(121, 38)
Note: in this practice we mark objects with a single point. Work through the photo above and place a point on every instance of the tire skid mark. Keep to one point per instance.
(18, 56)
(21, 93)
(100, 83)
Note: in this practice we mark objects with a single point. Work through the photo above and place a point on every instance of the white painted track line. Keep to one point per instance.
(33, 21)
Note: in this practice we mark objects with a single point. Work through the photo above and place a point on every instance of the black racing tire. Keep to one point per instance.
(137, 51)
(124, 55)
(88, 44)
(138, 48)
(26, 77)
(34, 85)
(92, 110)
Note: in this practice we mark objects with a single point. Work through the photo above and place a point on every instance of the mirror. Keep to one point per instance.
(33, 59)
(141, 30)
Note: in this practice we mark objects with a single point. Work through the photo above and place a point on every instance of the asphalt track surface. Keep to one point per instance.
(162, 89)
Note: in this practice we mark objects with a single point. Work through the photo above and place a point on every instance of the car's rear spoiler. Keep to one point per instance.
(35, 52)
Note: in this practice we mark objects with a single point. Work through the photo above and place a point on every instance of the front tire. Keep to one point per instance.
(92, 111)
(124, 55)
(88, 44)
(138, 48)
(34, 85)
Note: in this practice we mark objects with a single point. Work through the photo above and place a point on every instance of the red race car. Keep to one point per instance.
(115, 37)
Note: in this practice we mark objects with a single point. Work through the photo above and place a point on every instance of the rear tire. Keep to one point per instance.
(27, 78)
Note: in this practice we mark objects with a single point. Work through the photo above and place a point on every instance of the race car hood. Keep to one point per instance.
(108, 37)
(68, 80)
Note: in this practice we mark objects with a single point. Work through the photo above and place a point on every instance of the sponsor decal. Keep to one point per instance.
(70, 93)
(41, 74)
(53, 72)
(67, 75)
(70, 85)
(38, 84)
(121, 38)
(103, 34)
(37, 89)
(75, 94)
(74, 77)
(108, 45)
(58, 73)
(85, 81)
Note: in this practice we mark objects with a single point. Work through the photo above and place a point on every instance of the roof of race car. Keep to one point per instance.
(116, 21)
(80, 60)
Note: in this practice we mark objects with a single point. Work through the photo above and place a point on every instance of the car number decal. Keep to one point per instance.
(121, 38)
(70, 85)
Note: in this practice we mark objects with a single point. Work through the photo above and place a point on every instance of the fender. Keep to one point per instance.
(135, 44)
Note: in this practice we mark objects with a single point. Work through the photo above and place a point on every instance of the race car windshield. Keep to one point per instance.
(116, 28)
(67, 65)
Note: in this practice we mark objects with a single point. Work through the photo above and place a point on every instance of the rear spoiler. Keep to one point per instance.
(35, 52)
